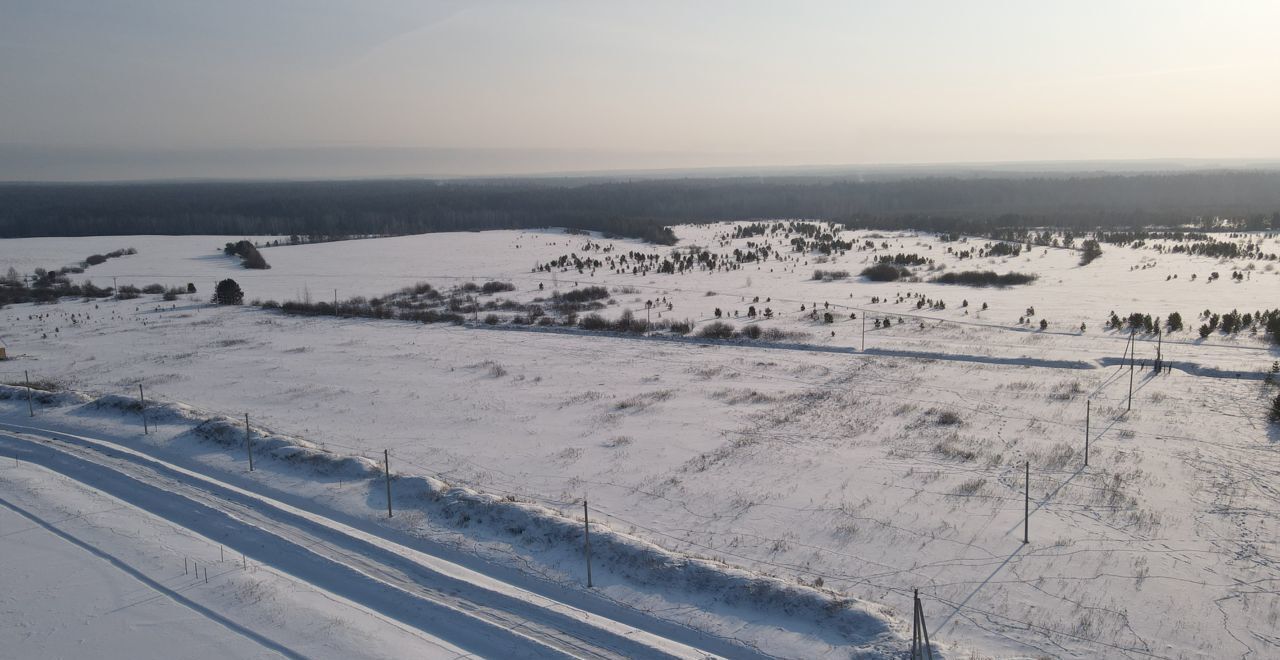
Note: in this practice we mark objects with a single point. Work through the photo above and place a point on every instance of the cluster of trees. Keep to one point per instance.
(1233, 322)
(1239, 246)
(903, 259)
(248, 253)
(1145, 323)
(422, 303)
(981, 205)
(1268, 321)
(48, 277)
(1004, 249)
(583, 294)
(817, 238)
(47, 289)
(829, 275)
(1138, 236)
(1089, 250)
(95, 259)
(985, 278)
(51, 286)
(1224, 250)
(753, 332)
(883, 272)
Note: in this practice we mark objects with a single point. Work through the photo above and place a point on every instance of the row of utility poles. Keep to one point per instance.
(920, 645)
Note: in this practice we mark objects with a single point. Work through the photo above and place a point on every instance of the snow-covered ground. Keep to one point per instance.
(856, 474)
(89, 575)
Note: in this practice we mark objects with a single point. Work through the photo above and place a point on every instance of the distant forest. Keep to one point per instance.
(640, 208)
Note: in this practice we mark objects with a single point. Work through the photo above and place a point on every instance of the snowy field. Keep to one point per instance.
(100, 578)
(845, 473)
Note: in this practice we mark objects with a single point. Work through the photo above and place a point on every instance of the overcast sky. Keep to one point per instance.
(115, 89)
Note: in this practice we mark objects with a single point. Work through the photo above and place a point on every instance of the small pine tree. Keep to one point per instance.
(228, 293)
(1275, 410)
(1044, 325)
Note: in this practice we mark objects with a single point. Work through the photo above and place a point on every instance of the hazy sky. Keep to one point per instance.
(163, 88)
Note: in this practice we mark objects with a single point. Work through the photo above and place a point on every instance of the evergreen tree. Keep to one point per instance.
(1089, 250)
(228, 293)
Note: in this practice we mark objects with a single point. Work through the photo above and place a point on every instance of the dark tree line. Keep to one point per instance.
(641, 209)
(984, 278)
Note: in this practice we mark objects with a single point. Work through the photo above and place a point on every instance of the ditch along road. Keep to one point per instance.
(471, 610)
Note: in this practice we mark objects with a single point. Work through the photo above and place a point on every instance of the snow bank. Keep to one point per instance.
(42, 397)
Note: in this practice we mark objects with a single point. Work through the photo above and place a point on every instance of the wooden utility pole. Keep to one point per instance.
(586, 535)
(1026, 505)
(1159, 350)
(142, 409)
(386, 466)
(248, 441)
(1131, 361)
(31, 409)
(1088, 410)
(920, 646)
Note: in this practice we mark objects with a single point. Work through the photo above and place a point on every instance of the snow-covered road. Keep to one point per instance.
(472, 611)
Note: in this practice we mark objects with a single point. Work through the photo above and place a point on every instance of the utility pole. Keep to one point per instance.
(142, 409)
(1088, 410)
(1131, 361)
(920, 646)
(1159, 350)
(248, 441)
(1026, 505)
(31, 410)
(386, 465)
(586, 535)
